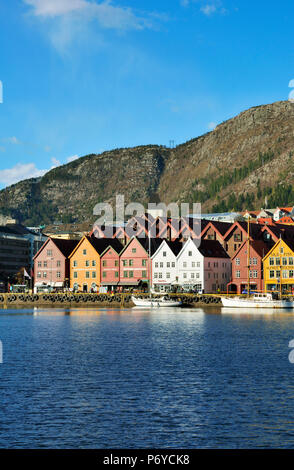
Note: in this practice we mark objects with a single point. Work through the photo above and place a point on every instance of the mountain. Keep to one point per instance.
(243, 163)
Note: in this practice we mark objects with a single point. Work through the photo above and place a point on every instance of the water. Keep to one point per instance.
(171, 378)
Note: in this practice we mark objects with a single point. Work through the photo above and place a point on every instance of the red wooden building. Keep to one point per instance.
(239, 282)
(51, 263)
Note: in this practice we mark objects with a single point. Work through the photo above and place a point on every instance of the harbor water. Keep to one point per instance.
(129, 378)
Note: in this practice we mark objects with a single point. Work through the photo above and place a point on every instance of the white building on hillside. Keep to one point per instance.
(206, 269)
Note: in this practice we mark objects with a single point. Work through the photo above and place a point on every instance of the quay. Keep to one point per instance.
(9, 300)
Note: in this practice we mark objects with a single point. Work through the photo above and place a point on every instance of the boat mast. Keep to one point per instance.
(149, 253)
(280, 267)
(248, 256)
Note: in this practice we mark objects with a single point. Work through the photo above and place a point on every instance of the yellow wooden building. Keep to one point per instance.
(85, 262)
(278, 267)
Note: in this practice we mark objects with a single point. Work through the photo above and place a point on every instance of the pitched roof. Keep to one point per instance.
(154, 244)
(175, 246)
(65, 246)
(211, 249)
(100, 244)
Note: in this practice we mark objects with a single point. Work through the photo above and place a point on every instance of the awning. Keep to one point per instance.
(58, 284)
(109, 283)
(129, 283)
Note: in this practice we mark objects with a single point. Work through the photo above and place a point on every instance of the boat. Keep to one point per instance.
(257, 300)
(153, 302)
(271, 300)
(150, 302)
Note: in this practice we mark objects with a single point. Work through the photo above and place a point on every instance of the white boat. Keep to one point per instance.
(256, 301)
(150, 302)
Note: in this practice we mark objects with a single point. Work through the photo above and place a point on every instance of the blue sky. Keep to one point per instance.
(84, 76)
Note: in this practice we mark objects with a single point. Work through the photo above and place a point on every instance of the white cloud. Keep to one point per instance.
(71, 159)
(13, 140)
(208, 9)
(20, 172)
(55, 162)
(104, 12)
(212, 125)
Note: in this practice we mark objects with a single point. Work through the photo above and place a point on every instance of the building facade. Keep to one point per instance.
(278, 267)
(51, 263)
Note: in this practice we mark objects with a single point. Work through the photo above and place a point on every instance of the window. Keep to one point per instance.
(184, 264)
(39, 274)
(49, 252)
(39, 264)
(278, 274)
(156, 265)
(104, 263)
(285, 274)
(284, 261)
(272, 261)
(198, 264)
(58, 274)
(164, 253)
(45, 264)
(75, 275)
(161, 265)
(282, 250)
(144, 274)
(58, 264)
(189, 253)
(126, 274)
(173, 264)
(193, 264)
(131, 262)
(144, 262)
(87, 274)
(155, 275)
(125, 262)
(116, 274)
(94, 274)
(277, 261)
(192, 275)
(253, 261)
(160, 275)
(87, 263)
(185, 276)
(131, 274)
(272, 274)
(168, 265)
(116, 263)
(84, 252)
(238, 273)
(291, 261)
(291, 273)
(208, 264)
(134, 250)
(104, 274)
(167, 275)
(44, 274)
(75, 263)
(93, 262)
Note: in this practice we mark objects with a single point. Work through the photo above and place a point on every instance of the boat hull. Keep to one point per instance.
(251, 303)
(155, 303)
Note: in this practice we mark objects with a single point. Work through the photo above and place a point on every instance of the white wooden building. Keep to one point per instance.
(164, 266)
(206, 268)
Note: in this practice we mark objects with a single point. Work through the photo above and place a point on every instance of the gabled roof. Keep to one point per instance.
(289, 243)
(212, 249)
(175, 246)
(63, 245)
(144, 242)
(258, 246)
(100, 244)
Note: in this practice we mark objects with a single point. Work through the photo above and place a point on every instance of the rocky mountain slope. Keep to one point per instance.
(245, 162)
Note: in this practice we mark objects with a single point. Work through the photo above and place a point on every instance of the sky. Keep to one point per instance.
(86, 76)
